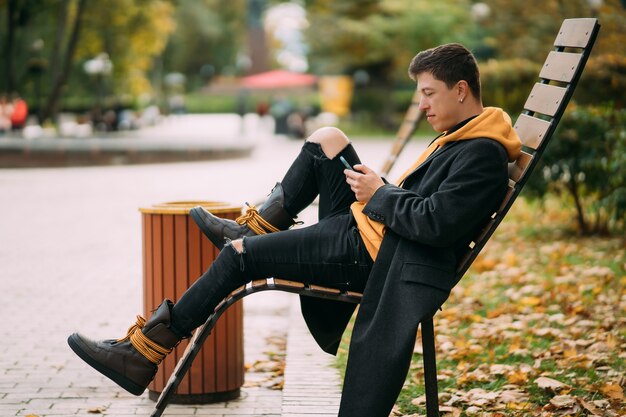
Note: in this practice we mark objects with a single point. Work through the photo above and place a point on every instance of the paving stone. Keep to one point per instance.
(312, 384)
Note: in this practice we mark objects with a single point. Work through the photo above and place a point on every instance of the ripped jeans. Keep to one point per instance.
(329, 253)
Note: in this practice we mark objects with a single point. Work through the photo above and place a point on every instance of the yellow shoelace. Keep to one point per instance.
(154, 352)
(255, 222)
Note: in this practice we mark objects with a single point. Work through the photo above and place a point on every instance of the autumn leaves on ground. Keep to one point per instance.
(536, 328)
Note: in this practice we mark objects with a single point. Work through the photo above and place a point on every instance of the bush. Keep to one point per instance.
(587, 161)
(604, 79)
(507, 83)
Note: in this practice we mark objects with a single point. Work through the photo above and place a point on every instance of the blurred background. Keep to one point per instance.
(77, 67)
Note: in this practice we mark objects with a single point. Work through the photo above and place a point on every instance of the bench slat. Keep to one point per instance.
(405, 129)
(259, 283)
(413, 114)
(354, 294)
(518, 168)
(531, 130)
(575, 33)
(286, 283)
(545, 99)
(560, 66)
(509, 194)
(237, 291)
(326, 290)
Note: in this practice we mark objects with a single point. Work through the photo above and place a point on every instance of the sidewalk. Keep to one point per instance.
(70, 260)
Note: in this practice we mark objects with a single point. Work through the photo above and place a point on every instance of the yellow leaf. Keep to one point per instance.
(518, 377)
(530, 301)
(611, 341)
(476, 318)
(510, 259)
(613, 391)
(570, 353)
(519, 406)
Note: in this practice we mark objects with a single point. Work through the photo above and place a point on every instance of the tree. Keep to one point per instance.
(131, 32)
(66, 58)
(587, 162)
(210, 32)
(380, 37)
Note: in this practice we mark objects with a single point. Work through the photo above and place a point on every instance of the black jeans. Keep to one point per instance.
(329, 253)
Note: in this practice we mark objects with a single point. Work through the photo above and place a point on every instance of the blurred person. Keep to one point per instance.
(397, 243)
(20, 113)
(6, 110)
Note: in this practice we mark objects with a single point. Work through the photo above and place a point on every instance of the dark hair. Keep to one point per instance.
(449, 63)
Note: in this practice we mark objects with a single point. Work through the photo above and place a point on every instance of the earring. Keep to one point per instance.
(461, 100)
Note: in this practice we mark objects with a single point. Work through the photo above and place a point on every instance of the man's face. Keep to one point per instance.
(440, 104)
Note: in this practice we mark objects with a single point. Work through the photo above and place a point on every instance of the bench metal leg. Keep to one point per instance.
(184, 364)
(430, 368)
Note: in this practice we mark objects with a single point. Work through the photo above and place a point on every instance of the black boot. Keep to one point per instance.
(271, 217)
(131, 362)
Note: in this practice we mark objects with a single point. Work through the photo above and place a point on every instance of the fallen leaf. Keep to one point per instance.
(596, 411)
(550, 384)
(452, 411)
(421, 400)
(518, 377)
(613, 391)
(512, 396)
(563, 401)
(473, 410)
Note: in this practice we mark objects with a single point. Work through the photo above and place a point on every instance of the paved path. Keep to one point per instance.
(70, 259)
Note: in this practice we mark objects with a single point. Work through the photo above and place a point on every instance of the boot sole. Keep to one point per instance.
(197, 218)
(119, 379)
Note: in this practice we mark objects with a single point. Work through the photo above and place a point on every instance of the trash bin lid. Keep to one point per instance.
(183, 207)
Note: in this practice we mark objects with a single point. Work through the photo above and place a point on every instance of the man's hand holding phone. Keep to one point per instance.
(362, 180)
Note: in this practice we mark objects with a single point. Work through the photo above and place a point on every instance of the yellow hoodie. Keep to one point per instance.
(492, 123)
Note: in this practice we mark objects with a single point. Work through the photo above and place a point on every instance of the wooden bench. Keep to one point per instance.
(542, 112)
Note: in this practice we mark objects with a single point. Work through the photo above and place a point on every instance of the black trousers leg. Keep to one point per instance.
(311, 174)
(330, 252)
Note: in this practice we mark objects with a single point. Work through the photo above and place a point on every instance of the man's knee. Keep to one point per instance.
(237, 245)
(331, 139)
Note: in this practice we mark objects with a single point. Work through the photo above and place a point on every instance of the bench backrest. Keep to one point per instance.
(542, 112)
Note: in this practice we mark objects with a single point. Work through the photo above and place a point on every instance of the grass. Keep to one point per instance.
(540, 301)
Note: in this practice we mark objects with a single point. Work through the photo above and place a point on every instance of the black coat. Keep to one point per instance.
(429, 222)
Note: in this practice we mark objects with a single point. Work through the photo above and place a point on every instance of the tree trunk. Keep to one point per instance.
(51, 107)
(572, 187)
(10, 46)
(55, 56)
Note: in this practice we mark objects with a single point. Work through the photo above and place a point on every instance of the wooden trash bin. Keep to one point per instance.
(175, 254)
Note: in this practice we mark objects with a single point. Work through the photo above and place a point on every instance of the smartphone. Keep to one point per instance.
(343, 161)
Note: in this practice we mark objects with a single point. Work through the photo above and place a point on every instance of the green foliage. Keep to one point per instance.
(208, 32)
(604, 79)
(132, 33)
(382, 35)
(506, 83)
(525, 31)
(587, 161)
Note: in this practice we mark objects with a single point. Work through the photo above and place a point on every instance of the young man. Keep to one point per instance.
(399, 244)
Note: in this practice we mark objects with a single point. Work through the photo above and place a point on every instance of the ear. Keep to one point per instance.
(462, 90)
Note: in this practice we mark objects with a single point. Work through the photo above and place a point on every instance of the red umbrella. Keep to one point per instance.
(278, 79)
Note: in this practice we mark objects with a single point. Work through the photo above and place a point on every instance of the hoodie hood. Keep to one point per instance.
(492, 123)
